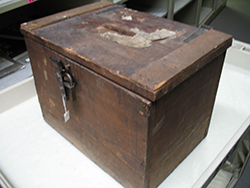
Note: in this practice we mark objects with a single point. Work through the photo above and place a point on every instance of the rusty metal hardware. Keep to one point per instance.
(65, 79)
(69, 85)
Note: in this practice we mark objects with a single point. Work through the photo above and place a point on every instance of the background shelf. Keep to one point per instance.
(179, 4)
(205, 11)
(7, 5)
(192, 12)
(158, 7)
(118, 1)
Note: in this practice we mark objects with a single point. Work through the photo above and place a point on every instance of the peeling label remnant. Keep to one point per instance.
(141, 39)
(45, 75)
(45, 61)
(132, 41)
(129, 18)
(157, 35)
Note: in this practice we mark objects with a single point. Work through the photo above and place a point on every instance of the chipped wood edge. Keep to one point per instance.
(129, 83)
(54, 18)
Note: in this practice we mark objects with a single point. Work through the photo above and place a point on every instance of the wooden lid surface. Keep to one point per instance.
(143, 53)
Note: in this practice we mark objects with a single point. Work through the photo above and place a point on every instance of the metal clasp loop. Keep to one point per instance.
(66, 83)
(69, 85)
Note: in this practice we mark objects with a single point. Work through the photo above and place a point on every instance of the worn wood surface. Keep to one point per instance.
(138, 111)
(136, 141)
(48, 20)
(180, 121)
(108, 123)
(159, 68)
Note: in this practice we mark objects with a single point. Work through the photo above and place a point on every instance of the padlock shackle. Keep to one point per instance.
(70, 79)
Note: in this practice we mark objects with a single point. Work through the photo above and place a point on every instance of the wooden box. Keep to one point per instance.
(144, 86)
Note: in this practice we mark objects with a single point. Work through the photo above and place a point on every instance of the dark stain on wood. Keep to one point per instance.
(139, 112)
(132, 73)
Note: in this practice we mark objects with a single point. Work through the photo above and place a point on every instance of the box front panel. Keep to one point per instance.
(107, 123)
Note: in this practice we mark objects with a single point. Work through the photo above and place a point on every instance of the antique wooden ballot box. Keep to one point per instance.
(131, 91)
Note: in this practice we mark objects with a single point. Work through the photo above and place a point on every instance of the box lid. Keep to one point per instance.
(143, 53)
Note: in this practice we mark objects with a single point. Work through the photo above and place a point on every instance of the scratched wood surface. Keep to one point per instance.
(138, 111)
(151, 72)
(138, 142)
(181, 120)
(48, 20)
(108, 123)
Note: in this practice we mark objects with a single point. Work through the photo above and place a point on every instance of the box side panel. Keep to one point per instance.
(181, 121)
(108, 123)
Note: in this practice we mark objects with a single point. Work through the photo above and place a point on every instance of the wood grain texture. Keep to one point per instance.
(108, 124)
(160, 67)
(136, 141)
(48, 20)
(138, 111)
(181, 121)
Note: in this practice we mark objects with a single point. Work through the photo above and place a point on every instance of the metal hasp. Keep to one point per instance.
(69, 86)
(65, 79)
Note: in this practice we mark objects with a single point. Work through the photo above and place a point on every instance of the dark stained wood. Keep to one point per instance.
(108, 123)
(181, 121)
(138, 111)
(160, 67)
(61, 16)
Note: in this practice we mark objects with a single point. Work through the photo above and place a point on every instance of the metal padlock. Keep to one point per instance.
(69, 85)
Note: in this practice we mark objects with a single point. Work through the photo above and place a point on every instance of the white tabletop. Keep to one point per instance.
(32, 154)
